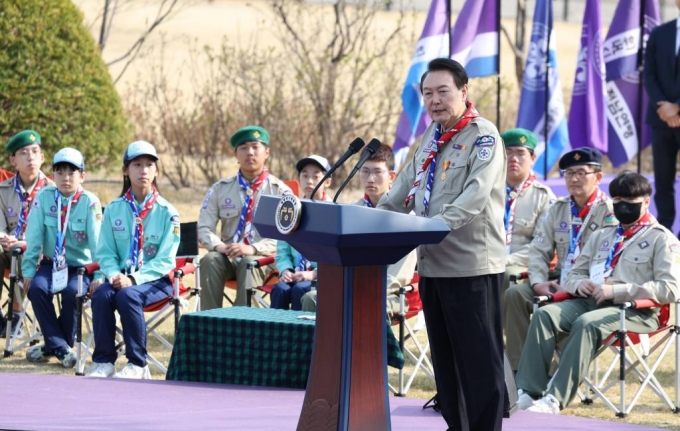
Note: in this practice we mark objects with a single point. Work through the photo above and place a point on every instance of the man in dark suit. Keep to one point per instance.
(662, 81)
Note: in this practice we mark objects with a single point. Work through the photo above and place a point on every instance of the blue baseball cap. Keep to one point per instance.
(70, 156)
(139, 148)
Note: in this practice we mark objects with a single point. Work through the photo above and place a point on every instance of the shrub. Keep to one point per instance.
(53, 80)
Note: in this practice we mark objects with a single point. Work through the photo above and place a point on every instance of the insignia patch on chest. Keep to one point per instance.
(644, 244)
(604, 246)
(484, 154)
(460, 147)
(486, 141)
(36, 204)
(431, 146)
(593, 226)
(562, 227)
(206, 199)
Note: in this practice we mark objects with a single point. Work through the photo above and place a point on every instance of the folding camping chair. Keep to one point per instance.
(642, 368)
(186, 263)
(27, 332)
(419, 352)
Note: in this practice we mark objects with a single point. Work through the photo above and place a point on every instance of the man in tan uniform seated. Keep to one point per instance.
(638, 259)
(233, 202)
(16, 198)
(377, 176)
(527, 200)
(568, 224)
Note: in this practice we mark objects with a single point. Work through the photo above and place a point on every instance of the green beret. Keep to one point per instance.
(250, 134)
(519, 138)
(21, 140)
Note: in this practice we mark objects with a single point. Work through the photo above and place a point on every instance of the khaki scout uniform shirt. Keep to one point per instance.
(468, 193)
(10, 205)
(648, 268)
(223, 203)
(531, 206)
(553, 235)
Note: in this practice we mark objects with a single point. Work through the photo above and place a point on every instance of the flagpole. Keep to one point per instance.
(448, 16)
(498, 66)
(547, 103)
(640, 67)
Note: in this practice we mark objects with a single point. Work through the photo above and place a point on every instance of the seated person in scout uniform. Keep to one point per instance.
(567, 225)
(136, 251)
(296, 272)
(65, 221)
(16, 196)
(233, 202)
(527, 200)
(376, 176)
(637, 259)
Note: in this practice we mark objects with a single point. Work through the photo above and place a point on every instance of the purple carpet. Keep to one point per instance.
(45, 402)
(560, 189)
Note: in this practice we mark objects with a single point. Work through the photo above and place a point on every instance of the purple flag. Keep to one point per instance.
(474, 38)
(587, 117)
(625, 109)
(433, 43)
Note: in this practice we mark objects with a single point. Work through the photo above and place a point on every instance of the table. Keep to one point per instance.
(250, 346)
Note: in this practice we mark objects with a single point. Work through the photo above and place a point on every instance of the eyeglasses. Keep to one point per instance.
(365, 173)
(25, 153)
(519, 156)
(580, 174)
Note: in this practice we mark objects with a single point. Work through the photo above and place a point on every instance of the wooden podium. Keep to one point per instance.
(347, 386)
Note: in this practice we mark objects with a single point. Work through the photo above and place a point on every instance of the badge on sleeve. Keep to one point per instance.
(486, 141)
(610, 218)
(207, 198)
(484, 154)
(675, 248)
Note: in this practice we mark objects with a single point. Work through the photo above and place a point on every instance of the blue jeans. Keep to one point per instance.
(285, 295)
(130, 303)
(59, 332)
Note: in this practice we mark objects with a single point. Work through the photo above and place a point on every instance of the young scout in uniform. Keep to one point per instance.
(65, 222)
(568, 224)
(233, 202)
(377, 176)
(637, 259)
(16, 196)
(296, 272)
(526, 201)
(136, 252)
(458, 176)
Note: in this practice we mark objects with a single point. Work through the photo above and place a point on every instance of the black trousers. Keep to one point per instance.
(463, 318)
(665, 147)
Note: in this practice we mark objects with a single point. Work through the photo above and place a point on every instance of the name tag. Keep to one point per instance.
(59, 279)
(566, 268)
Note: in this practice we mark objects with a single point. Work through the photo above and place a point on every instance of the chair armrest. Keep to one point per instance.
(640, 303)
(518, 277)
(18, 250)
(89, 269)
(263, 261)
(188, 268)
(555, 297)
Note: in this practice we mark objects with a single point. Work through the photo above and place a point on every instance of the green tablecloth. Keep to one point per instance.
(250, 346)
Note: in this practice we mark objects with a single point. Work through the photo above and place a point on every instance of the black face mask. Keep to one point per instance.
(627, 212)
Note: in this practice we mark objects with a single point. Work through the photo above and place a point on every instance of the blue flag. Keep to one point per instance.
(539, 85)
(624, 86)
(433, 43)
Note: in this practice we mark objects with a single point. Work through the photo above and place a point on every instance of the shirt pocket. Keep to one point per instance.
(637, 264)
(523, 227)
(455, 178)
(50, 222)
(229, 219)
(78, 231)
(562, 244)
(152, 243)
(122, 240)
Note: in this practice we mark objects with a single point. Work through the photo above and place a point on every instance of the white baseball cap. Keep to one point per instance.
(71, 156)
(139, 148)
(317, 160)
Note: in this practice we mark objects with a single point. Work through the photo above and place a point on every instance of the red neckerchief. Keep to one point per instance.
(469, 115)
(367, 201)
(245, 222)
(26, 202)
(136, 253)
(513, 194)
(622, 237)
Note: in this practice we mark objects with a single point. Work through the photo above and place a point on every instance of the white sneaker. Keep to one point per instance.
(105, 369)
(547, 404)
(132, 371)
(524, 400)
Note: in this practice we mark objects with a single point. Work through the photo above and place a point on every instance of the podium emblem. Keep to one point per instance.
(287, 215)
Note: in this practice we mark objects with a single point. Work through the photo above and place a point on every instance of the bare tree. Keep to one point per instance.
(111, 8)
(520, 36)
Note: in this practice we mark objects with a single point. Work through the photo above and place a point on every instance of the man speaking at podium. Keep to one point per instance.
(457, 174)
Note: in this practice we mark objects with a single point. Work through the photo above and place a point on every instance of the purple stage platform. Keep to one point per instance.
(47, 402)
(559, 187)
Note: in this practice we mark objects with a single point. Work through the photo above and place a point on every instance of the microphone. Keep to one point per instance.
(353, 148)
(368, 152)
